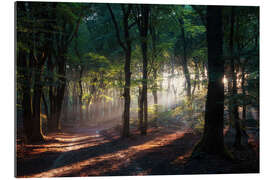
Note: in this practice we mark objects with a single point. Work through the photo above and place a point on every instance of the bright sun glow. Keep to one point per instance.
(225, 81)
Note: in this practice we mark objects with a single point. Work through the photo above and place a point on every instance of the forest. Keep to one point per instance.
(135, 89)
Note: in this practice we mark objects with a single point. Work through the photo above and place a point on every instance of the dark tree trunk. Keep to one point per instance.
(144, 89)
(184, 59)
(234, 106)
(244, 94)
(126, 115)
(142, 20)
(51, 119)
(212, 141)
(187, 77)
(74, 102)
(25, 71)
(154, 56)
(80, 97)
(196, 79)
(52, 124)
(60, 89)
(56, 95)
(45, 104)
(80, 80)
(65, 109)
(36, 121)
(126, 45)
(154, 91)
(87, 116)
(140, 109)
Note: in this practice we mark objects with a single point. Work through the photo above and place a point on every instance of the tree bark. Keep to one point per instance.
(184, 59)
(197, 78)
(140, 109)
(80, 97)
(212, 141)
(126, 45)
(25, 71)
(142, 20)
(234, 108)
(37, 134)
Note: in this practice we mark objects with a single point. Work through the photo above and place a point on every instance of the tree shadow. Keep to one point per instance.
(154, 161)
(46, 161)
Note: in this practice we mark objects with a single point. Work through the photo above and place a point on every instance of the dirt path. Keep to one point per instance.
(94, 151)
(100, 151)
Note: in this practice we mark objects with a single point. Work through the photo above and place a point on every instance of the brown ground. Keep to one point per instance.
(96, 151)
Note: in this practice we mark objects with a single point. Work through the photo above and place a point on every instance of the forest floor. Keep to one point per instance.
(99, 151)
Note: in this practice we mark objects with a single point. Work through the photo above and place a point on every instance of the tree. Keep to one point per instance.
(190, 40)
(126, 46)
(141, 13)
(69, 25)
(33, 52)
(212, 141)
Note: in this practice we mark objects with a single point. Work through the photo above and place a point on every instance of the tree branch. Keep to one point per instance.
(116, 28)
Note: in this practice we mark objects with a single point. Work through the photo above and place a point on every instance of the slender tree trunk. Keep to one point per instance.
(60, 89)
(235, 113)
(187, 77)
(126, 115)
(52, 125)
(212, 141)
(80, 97)
(51, 118)
(244, 94)
(65, 110)
(26, 86)
(143, 28)
(230, 105)
(36, 121)
(74, 102)
(37, 134)
(196, 79)
(126, 45)
(154, 91)
(154, 55)
(184, 59)
(140, 109)
(87, 111)
(45, 108)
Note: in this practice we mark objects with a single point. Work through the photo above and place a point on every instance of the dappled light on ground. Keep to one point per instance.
(102, 153)
(64, 145)
(75, 151)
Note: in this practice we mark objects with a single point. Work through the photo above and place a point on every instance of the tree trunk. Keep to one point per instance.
(244, 94)
(184, 59)
(127, 49)
(196, 79)
(46, 109)
(235, 113)
(140, 109)
(80, 97)
(74, 102)
(60, 89)
(143, 28)
(212, 141)
(51, 119)
(187, 77)
(36, 121)
(126, 115)
(154, 56)
(25, 72)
